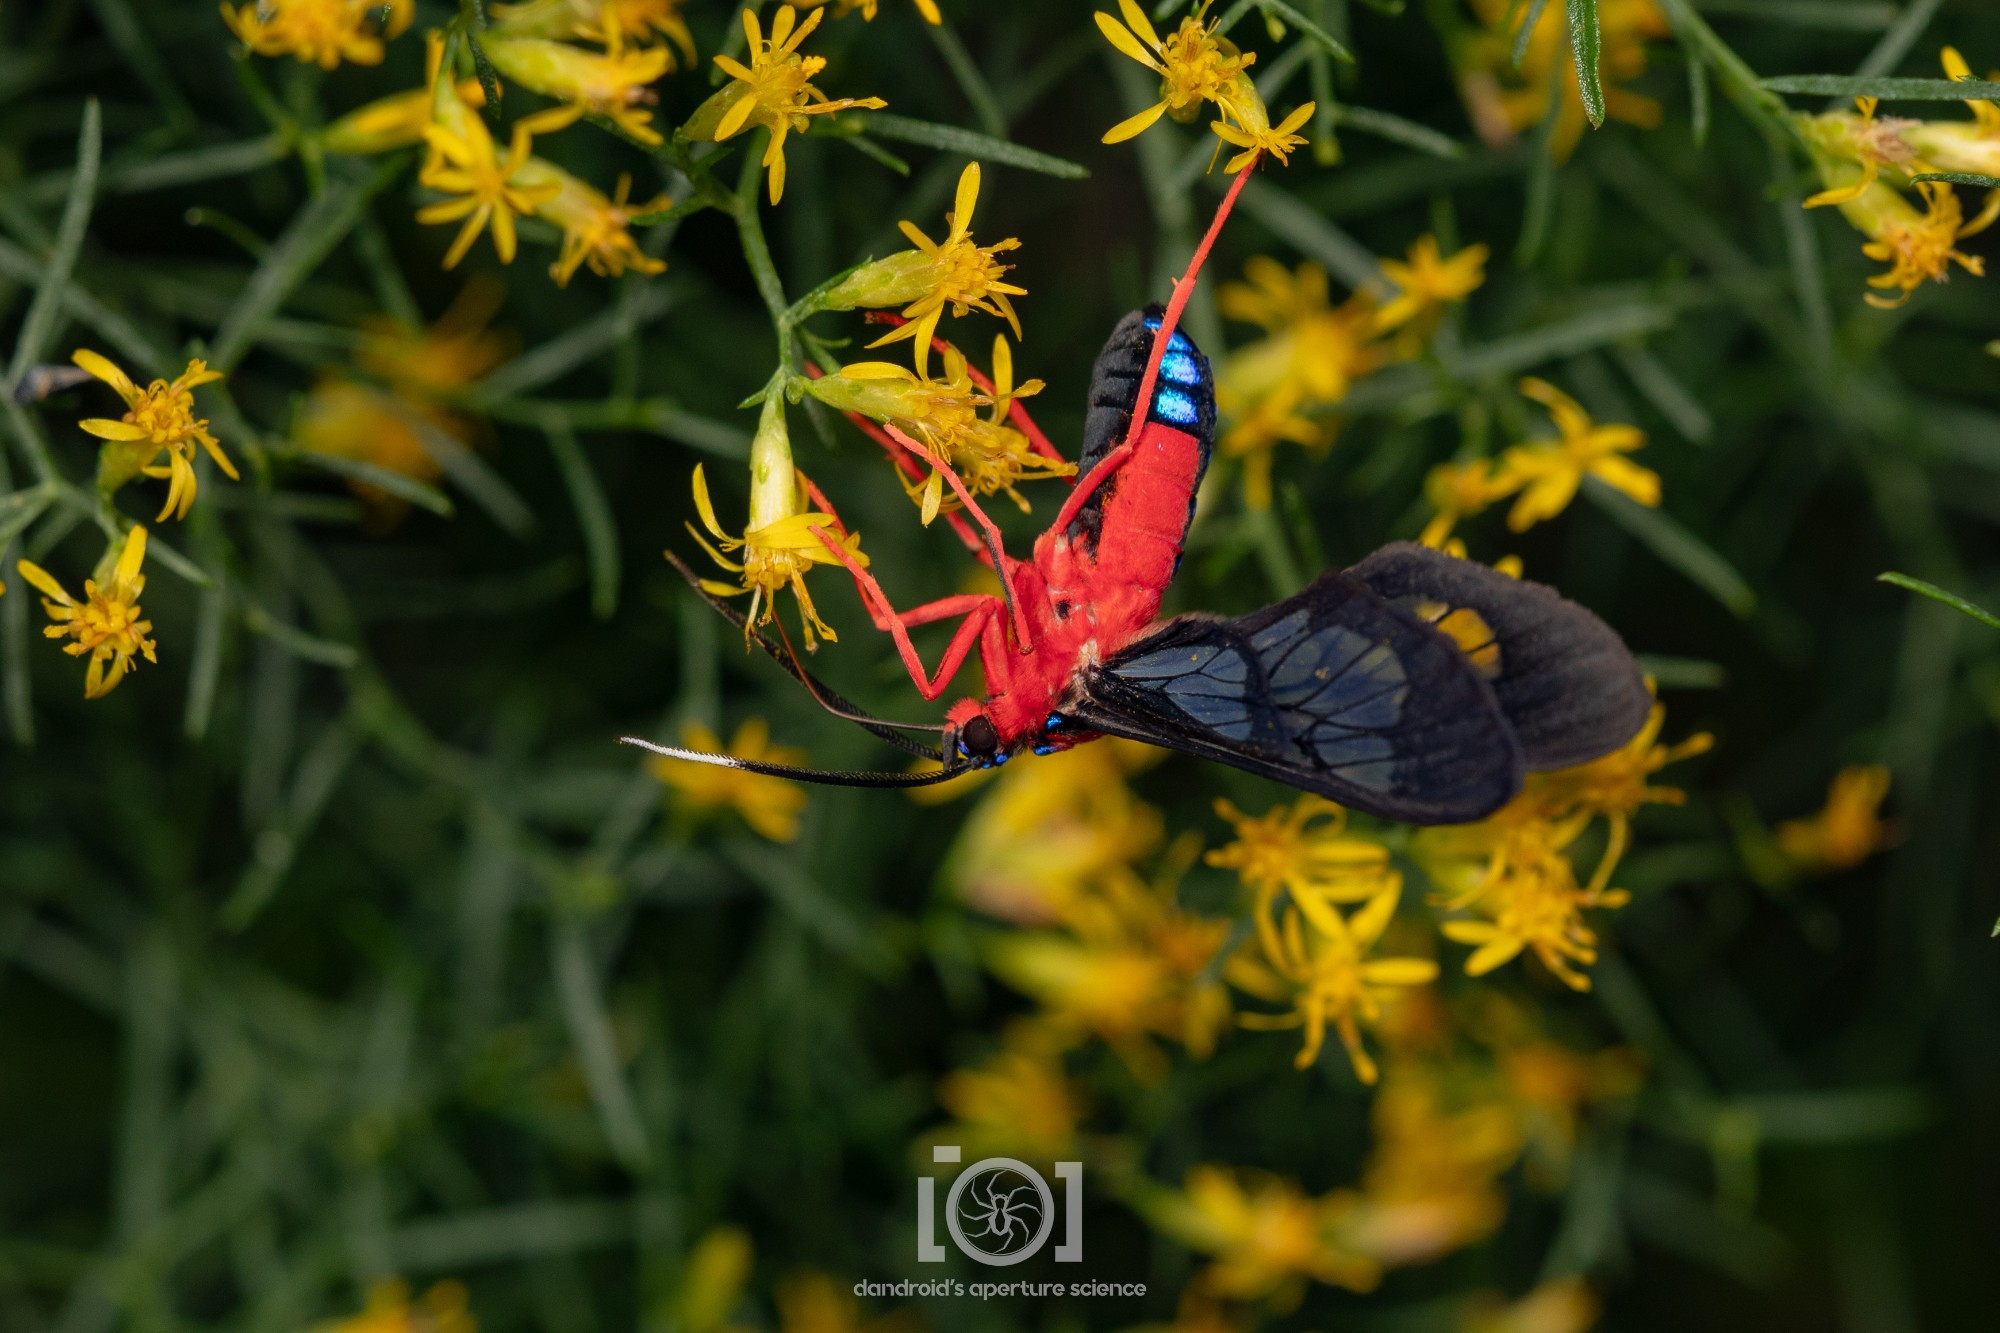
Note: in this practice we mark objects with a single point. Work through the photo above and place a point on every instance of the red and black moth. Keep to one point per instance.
(1414, 686)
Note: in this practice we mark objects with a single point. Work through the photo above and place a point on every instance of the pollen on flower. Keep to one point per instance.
(107, 625)
(321, 32)
(1918, 247)
(769, 805)
(1303, 847)
(774, 91)
(159, 420)
(596, 229)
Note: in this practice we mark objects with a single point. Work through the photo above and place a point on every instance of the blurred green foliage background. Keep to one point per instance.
(344, 944)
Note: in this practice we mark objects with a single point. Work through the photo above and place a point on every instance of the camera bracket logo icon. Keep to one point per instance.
(1000, 1211)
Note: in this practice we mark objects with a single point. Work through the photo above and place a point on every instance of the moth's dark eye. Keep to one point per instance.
(980, 739)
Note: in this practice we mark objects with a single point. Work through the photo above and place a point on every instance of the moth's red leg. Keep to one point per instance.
(977, 608)
(986, 526)
(914, 470)
(1086, 486)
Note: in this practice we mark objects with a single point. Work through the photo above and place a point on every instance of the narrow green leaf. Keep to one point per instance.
(138, 348)
(971, 81)
(1539, 203)
(143, 53)
(1586, 332)
(1526, 32)
(952, 139)
(593, 514)
(1832, 15)
(395, 483)
(1669, 397)
(470, 473)
(160, 549)
(319, 227)
(1699, 108)
(1676, 546)
(20, 509)
(1888, 89)
(1960, 178)
(1683, 673)
(457, 1241)
(1326, 40)
(579, 992)
(205, 663)
(297, 642)
(16, 686)
(1586, 43)
(40, 324)
(1396, 129)
(1302, 225)
(165, 170)
(1937, 594)
(550, 361)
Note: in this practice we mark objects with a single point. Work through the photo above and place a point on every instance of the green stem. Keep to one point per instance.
(757, 253)
(1738, 79)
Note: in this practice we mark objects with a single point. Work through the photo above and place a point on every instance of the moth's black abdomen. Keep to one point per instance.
(1568, 685)
(1183, 397)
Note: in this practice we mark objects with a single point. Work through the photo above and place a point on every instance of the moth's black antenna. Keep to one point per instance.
(821, 776)
(813, 687)
(878, 727)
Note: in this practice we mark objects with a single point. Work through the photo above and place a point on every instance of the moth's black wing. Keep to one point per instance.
(1565, 680)
(1334, 691)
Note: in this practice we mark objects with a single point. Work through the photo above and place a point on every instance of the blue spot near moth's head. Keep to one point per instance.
(1153, 323)
(1055, 723)
(1045, 749)
(1181, 369)
(1175, 406)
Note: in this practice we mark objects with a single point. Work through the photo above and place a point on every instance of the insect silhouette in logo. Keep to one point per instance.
(1000, 1211)
(1414, 686)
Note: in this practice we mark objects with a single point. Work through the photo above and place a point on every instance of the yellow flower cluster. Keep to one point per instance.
(319, 32)
(1285, 385)
(1503, 98)
(397, 410)
(1198, 65)
(770, 806)
(1866, 161)
(1543, 475)
(442, 1309)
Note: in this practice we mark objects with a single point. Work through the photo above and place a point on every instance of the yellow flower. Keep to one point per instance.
(1195, 64)
(775, 91)
(1318, 960)
(1848, 829)
(159, 419)
(1918, 247)
(396, 121)
(712, 1281)
(1429, 282)
(1302, 848)
(1015, 1103)
(1560, 1305)
(1956, 145)
(1504, 99)
(957, 273)
(1267, 1235)
(442, 360)
(1548, 472)
(842, 8)
(1459, 490)
(1431, 1184)
(609, 23)
(1529, 897)
(343, 419)
(769, 805)
(1252, 131)
(1841, 141)
(322, 32)
(1614, 786)
(1279, 387)
(942, 416)
(106, 625)
(596, 230)
(782, 539)
(442, 1310)
(464, 161)
(611, 84)
(1131, 966)
(1052, 832)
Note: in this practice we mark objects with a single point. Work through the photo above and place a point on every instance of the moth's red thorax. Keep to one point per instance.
(1083, 605)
